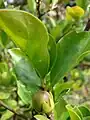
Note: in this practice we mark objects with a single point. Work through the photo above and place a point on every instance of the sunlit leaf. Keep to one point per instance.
(69, 49)
(73, 114)
(30, 34)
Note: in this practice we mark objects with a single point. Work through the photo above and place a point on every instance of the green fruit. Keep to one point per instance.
(42, 101)
(5, 79)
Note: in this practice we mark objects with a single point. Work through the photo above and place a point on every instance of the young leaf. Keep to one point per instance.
(6, 115)
(59, 88)
(31, 5)
(60, 108)
(52, 51)
(4, 95)
(30, 35)
(69, 49)
(73, 114)
(84, 110)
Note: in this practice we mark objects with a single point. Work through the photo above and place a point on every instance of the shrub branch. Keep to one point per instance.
(10, 109)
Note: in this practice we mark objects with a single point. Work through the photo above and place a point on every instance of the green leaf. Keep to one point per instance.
(69, 49)
(52, 51)
(4, 95)
(28, 82)
(60, 88)
(73, 114)
(23, 93)
(84, 110)
(11, 103)
(40, 117)
(57, 31)
(78, 112)
(31, 5)
(6, 115)
(30, 34)
(23, 69)
(65, 116)
(4, 38)
(5, 92)
(82, 3)
(60, 108)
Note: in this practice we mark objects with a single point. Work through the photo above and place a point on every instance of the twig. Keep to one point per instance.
(10, 109)
(14, 117)
(47, 11)
(87, 28)
(38, 3)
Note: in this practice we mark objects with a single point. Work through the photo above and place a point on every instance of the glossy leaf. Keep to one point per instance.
(60, 108)
(84, 110)
(60, 88)
(73, 114)
(69, 48)
(23, 69)
(25, 74)
(76, 109)
(40, 117)
(52, 51)
(65, 116)
(30, 35)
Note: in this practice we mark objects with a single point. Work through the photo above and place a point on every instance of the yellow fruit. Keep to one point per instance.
(75, 12)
